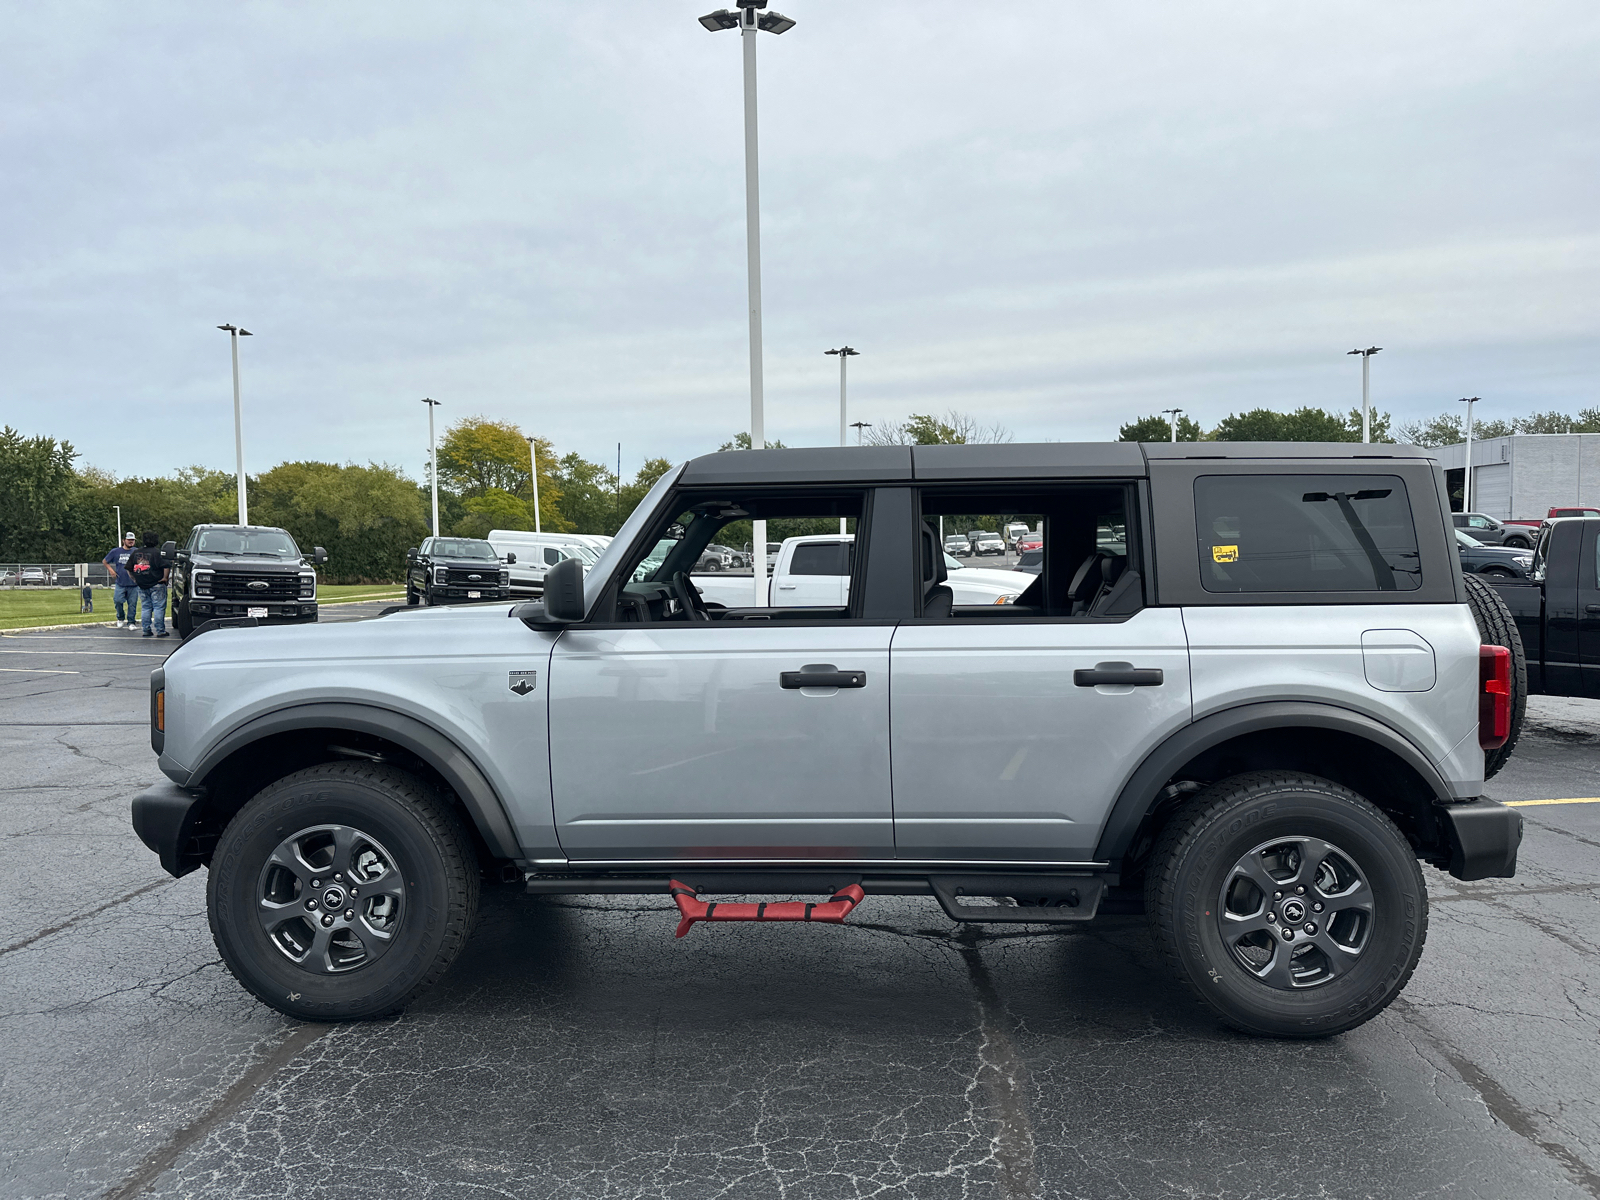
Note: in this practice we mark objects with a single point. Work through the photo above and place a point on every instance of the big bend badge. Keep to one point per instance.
(523, 682)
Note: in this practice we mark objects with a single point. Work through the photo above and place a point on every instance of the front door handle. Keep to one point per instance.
(1118, 673)
(821, 675)
(1591, 608)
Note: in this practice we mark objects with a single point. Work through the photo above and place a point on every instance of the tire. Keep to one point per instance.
(1496, 627)
(411, 597)
(181, 621)
(427, 893)
(1497, 573)
(1519, 543)
(1232, 823)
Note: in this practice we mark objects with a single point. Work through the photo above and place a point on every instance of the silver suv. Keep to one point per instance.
(1251, 717)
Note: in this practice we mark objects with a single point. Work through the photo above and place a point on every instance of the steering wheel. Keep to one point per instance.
(689, 598)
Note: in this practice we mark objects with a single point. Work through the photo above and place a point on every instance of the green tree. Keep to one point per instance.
(37, 487)
(479, 456)
(1158, 429)
(741, 441)
(1443, 430)
(365, 517)
(588, 494)
(925, 429)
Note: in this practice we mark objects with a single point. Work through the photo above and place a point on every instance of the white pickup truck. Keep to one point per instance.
(814, 571)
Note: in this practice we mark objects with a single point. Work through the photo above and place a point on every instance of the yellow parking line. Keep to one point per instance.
(1571, 800)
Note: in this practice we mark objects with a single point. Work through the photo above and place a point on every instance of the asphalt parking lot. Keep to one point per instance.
(577, 1050)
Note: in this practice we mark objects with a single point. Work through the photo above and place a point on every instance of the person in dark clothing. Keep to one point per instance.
(86, 604)
(150, 571)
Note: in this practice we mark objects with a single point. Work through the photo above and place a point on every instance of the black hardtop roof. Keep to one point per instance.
(998, 461)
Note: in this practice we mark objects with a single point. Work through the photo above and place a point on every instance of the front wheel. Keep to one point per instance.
(342, 891)
(1290, 905)
(1518, 543)
(1498, 573)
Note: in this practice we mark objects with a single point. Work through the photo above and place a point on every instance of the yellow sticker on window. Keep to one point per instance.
(1224, 554)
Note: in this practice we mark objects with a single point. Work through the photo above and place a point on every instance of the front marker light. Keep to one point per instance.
(1009, 598)
(161, 711)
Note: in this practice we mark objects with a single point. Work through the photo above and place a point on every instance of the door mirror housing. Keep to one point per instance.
(411, 554)
(511, 560)
(563, 592)
(319, 555)
(169, 549)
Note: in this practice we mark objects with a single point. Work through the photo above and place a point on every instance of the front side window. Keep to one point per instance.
(1479, 523)
(551, 556)
(1305, 533)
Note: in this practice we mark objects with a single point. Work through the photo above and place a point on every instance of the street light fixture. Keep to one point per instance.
(433, 464)
(234, 334)
(749, 20)
(1171, 414)
(1366, 389)
(1466, 476)
(858, 426)
(533, 463)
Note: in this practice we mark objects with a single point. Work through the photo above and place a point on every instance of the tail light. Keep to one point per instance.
(1494, 696)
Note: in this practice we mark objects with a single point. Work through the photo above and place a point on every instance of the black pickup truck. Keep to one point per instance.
(1557, 609)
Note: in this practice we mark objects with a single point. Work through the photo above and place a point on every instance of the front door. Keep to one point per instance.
(687, 742)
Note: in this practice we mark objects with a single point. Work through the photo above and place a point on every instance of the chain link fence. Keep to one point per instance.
(57, 575)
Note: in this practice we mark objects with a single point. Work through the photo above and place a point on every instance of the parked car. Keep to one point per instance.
(1015, 530)
(1031, 561)
(528, 556)
(1556, 609)
(1490, 532)
(456, 570)
(984, 542)
(957, 543)
(1266, 727)
(1499, 562)
(34, 575)
(242, 571)
(1530, 526)
(1031, 541)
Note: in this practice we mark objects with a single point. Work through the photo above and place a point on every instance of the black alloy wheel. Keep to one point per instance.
(1498, 572)
(1291, 906)
(342, 891)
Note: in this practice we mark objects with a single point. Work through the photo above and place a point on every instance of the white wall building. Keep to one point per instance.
(1527, 474)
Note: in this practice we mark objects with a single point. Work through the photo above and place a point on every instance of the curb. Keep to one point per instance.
(70, 625)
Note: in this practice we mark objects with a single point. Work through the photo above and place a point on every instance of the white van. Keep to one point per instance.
(536, 554)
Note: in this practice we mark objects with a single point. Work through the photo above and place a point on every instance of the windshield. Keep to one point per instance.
(1466, 539)
(461, 548)
(631, 528)
(271, 543)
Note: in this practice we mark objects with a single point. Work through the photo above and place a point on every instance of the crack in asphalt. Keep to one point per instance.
(1512, 893)
(165, 1155)
(83, 916)
(1501, 1104)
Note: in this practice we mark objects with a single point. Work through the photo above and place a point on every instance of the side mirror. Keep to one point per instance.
(169, 549)
(319, 555)
(411, 554)
(511, 560)
(563, 591)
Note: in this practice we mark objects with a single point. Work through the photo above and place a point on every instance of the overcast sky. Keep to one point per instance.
(1056, 216)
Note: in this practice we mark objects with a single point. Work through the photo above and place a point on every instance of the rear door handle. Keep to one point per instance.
(1591, 608)
(1118, 673)
(821, 675)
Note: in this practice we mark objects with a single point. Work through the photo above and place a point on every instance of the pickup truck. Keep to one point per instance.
(815, 571)
(1533, 524)
(1557, 608)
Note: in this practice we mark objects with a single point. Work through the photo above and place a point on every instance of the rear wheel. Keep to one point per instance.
(342, 891)
(1497, 627)
(1290, 905)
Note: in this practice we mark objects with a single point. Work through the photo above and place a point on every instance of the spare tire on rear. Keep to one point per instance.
(1496, 627)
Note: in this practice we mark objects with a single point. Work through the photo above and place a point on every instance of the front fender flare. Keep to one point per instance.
(1139, 794)
(454, 765)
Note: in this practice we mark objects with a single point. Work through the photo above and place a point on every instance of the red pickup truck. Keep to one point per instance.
(1574, 511)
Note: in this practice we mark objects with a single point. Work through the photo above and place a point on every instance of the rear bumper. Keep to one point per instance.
(167, 819)
(1483, 838)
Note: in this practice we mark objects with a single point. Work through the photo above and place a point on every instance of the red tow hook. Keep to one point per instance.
(833, 912)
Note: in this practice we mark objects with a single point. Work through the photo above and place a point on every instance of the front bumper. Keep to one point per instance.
(461, 593)
(170, 820)
(279, 612)
(1482, 836)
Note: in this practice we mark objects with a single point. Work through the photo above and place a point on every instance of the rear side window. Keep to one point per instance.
(1305, 533)
(821, 558)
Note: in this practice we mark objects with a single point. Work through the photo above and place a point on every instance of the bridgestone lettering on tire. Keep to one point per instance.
(342, 891)
(1291, 906)
(1497, 627)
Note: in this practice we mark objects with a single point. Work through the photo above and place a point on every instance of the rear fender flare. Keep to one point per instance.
(1138, 796)
(454, 765)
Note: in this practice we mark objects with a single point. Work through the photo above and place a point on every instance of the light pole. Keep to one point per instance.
(844, 353)
(1466, 476)
(118, 507)
(858, 426)
(234, 334)
(749, 20)
(433, 465)
(533, 462)
(1366, 389)
(1171, 414)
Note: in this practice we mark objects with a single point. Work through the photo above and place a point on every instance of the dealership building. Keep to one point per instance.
(1527, 474)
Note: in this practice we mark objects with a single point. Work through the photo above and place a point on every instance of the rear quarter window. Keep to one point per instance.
(1305, 533)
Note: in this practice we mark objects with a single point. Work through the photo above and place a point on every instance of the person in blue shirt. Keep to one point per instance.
(124, 591)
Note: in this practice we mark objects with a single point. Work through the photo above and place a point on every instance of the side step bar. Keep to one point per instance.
(691, 908)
